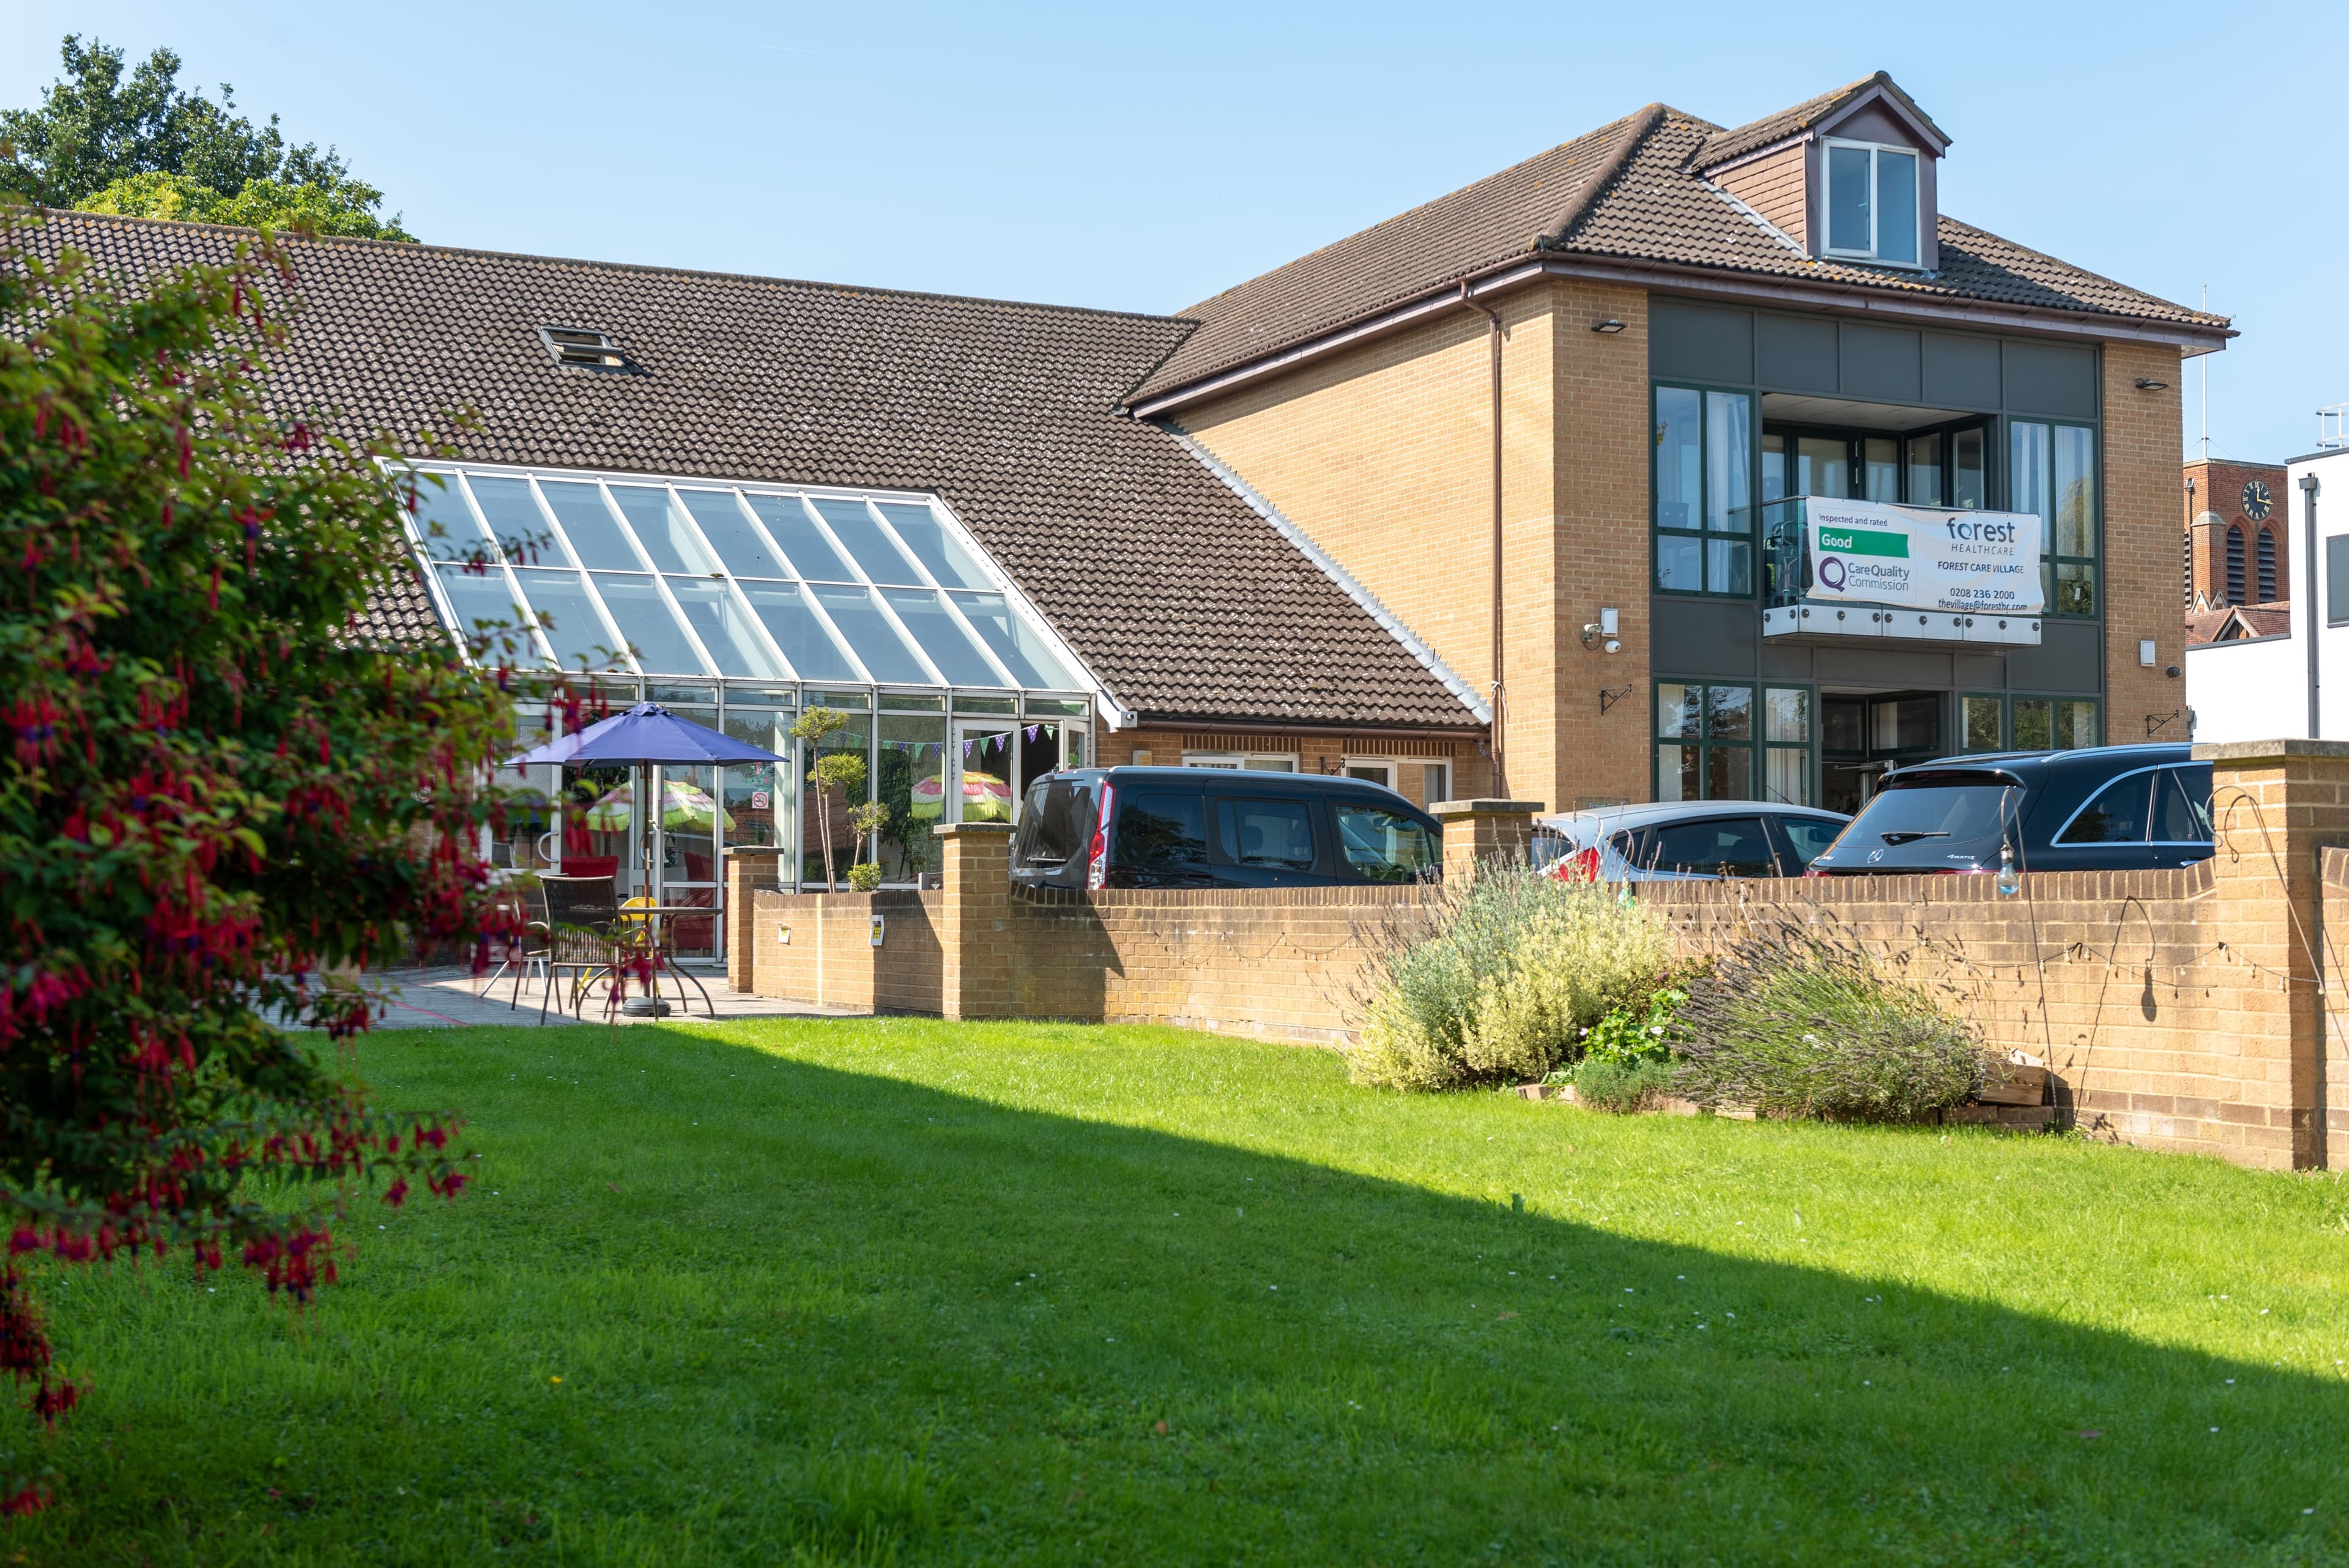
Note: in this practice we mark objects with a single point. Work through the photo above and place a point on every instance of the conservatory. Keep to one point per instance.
(742, 606)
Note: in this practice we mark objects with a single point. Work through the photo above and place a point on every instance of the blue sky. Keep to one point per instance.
(1143, 157)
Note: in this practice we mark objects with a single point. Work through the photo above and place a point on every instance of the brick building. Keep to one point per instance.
(2237, 544)
(1675, 330)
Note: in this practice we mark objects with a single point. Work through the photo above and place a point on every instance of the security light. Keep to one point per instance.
(2148, 384)
(1609, 326)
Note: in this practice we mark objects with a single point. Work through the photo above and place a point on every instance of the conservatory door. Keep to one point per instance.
(989, 782)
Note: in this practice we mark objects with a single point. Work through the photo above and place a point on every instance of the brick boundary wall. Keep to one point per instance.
(2181, 1009)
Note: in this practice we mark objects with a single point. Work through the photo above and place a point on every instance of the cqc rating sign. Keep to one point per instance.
(1923, 558)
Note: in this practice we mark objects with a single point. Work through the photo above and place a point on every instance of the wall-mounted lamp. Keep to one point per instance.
(1607, 626)
(1609, 326)
(2148, 384)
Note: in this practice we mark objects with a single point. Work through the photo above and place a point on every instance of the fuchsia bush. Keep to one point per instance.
(216, 790)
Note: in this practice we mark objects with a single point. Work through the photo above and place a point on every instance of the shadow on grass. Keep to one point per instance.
(1115, 1343)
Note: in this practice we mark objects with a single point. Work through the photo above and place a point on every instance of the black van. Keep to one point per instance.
(2098, 808)
(1211, 827)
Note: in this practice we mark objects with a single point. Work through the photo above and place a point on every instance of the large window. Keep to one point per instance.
(1992, 721)
(1705, 491)
(1721, 741)
(1872, 205)
(2052, 471)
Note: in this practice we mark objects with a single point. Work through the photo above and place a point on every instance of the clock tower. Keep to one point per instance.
(2236, 541)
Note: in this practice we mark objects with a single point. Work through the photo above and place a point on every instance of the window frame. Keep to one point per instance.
(2006, 716)
(1657, 532)
(2152, 811)
(2050, 562)
(1874, 256)
(1759, 744)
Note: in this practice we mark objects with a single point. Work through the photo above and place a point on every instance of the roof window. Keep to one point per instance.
(1872, 205)
(584, 347)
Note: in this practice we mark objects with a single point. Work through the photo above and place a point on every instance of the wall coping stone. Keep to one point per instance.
(962, 829)
(1443, 810)
(2262, 750)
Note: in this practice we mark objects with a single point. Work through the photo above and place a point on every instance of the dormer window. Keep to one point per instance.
(1871, 206)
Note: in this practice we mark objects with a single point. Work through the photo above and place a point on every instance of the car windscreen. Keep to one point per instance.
(1055, 822)
(1933, 818)
(1707, 846)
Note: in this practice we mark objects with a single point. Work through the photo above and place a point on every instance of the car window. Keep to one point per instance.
(1809, 835)
(1053, 822)
(2181, 806)
(1161, 832)
(1713, 846)
(2114, 815)
(1936, 814)
(1278, 834)
(1384, 845)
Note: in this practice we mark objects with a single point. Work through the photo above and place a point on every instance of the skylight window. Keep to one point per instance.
(643, 576)
(1872, 202)
(583, 347)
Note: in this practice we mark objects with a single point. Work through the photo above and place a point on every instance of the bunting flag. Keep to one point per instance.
(1032, 730)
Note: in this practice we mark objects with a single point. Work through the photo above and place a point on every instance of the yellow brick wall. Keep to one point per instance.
(2143, 434)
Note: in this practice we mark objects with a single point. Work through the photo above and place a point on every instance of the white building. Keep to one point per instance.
(2263, 688)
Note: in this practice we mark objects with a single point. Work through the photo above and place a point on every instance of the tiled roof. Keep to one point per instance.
(2225, 622)
(1627, 191)
(1185, 602)
(1723, 146)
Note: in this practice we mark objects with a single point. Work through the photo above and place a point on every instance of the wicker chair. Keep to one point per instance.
(583, 920)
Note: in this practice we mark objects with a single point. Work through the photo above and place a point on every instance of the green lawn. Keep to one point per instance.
(849, 1291)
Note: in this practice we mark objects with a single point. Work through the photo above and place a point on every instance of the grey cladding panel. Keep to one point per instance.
(2051, 378)
(2068, 659)
(1961, 371)
(1980, 672)
(1700, 343)
(1795, 353)
(1712, 637)
(1882, 669)
(1881, 363)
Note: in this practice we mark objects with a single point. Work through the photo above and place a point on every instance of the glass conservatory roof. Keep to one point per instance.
(695, 577)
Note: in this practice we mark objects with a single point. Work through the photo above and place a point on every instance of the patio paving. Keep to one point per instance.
(452, 998)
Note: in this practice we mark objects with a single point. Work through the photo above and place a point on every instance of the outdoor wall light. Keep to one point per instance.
(2148, 384)
(1607, 626)
(1609, 326)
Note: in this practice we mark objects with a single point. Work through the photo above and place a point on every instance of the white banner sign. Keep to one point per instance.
(1873, 552)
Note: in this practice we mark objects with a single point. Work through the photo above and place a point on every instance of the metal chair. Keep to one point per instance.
(583, 936)
(520, 907)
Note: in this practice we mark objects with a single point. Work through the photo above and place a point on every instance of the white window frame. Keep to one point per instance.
(1242, 761)
(1873, 254)
(1392, 765)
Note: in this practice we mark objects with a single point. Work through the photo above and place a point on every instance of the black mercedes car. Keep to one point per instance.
(2103, 809)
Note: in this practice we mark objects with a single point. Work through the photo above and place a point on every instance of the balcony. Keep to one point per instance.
(1837, 570)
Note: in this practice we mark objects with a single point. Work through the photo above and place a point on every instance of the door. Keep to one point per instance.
(685, 837)
(1269, 842)
(989, 751)
(2110, 831)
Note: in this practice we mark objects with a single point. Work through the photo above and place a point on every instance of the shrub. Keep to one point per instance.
(1493, 982)
(1626, 1036)
(865, 876)
(1804, 1021)
(1622, 1083)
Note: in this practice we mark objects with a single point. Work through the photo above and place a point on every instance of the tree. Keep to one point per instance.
(843, 770)
(218, 793)
(94, 132)
(868, 823)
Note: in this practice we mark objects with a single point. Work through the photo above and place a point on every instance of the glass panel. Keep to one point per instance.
(986, 751)
(948, 645)
(2034, 724)
(1676, 772)
(1680, 565)
(1810, 836)
(2116, 816)
(1276, 835)
(1774, 468)
(1790, 781)
(569, 619)
(1822, 466)
(852, 524)
(446, 525)
(663, 530)
(1786, 713)
(868, 631)
(659, 644)
(2026, 473)
(1384, 846)
(925, 536)
(904, 702)
(1729, 713)
(1729, 773)
(2075, 590)
(478, 597)
(1679, 458)
(913, 761)
(758, 794)
(782, 609)
(986, 704)
(1729, 565)
(1710, 846)
(1015, 642)
(2182, 809)
(1896, 206)
(2075, 491)
(1269, 765)
(1161, 835)
(1981, 723)
(595, 534)
(1880, 469)
(1678, 710)
(689, 815)
(1969, 478)
(725, 629)
(824, 819)
(1729, 445)
(1847, 204)
(803, 543)
(732, 534)
(2075, 724)
(1925, 471)
(514, 519)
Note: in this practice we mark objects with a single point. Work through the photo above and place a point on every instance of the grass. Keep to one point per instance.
(865, 1291)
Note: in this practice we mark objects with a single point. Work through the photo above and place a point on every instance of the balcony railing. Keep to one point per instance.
(1840, 569)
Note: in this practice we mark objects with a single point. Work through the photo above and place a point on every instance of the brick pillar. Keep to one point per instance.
(1479, 830)
(2279, 804)
(747, 870)
(975, 928)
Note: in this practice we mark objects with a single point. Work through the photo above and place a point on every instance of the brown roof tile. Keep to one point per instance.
(1724, 145)
(1185, 602)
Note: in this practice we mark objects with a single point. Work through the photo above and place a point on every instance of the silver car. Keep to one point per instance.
(1684, 840)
